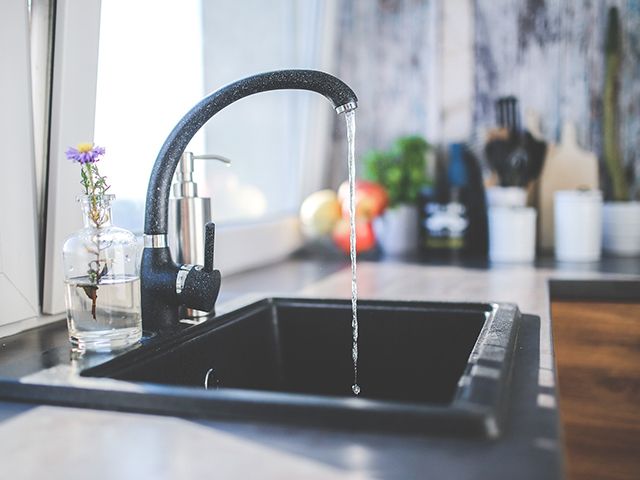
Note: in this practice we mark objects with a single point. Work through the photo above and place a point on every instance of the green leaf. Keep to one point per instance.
(401, 170)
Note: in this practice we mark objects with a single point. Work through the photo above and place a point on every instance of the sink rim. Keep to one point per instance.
(478, 407)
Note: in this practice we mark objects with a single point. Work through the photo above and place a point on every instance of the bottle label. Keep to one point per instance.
(445, 225)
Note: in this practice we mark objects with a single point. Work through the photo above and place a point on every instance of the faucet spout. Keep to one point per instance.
(162, 281)
(156, 210)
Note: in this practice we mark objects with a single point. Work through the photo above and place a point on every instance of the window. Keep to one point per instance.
(153, 61)
(151, 72)
(149, 75)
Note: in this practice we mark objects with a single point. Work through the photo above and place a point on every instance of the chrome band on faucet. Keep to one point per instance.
(155, 241)
(347, 107)
(181, 278)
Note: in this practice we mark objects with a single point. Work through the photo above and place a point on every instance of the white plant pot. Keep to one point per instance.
(621, 228)
(397, 230)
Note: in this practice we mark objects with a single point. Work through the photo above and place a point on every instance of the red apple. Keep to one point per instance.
(371, 199)
(365, 238)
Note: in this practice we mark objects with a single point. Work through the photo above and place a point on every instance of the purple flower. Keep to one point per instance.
(85, 153)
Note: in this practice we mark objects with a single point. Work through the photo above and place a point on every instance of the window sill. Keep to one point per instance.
(243, 247)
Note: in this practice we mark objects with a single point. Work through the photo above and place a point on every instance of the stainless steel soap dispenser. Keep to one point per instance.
(188, 215)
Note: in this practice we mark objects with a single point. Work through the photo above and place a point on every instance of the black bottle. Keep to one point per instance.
(453, 221)
(473, 196)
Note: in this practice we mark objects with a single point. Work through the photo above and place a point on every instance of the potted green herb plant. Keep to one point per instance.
(402, 171)
(621, 215)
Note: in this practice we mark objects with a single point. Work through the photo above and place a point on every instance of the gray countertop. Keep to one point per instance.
(61, 442)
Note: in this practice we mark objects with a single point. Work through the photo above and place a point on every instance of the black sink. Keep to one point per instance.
(428, 367)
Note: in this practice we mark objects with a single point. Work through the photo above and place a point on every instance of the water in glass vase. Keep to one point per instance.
(104, 316)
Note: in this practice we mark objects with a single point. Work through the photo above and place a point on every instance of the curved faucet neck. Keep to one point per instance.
(156, 210)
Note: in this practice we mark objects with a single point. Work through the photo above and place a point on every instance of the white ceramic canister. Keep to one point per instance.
(621, 228)
(577, 225)
(512, 234)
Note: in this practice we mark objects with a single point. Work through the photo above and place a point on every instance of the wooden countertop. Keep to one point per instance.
(598, 360)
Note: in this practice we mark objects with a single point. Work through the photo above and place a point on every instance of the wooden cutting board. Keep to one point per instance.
(566, 167)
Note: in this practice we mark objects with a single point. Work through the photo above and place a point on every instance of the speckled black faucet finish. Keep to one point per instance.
(169, 156)
(160, 296)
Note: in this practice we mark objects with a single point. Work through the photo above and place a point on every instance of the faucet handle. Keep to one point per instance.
(199, 287)
(209, 244)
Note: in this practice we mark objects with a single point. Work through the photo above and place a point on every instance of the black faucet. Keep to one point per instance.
(165, 285)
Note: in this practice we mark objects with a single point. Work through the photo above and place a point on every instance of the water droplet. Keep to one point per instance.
(356, 389)
(127, 258)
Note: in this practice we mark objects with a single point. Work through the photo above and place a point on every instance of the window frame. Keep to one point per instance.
(73, 93)
(19, 238)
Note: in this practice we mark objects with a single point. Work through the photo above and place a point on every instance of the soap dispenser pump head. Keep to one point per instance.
(185, 187)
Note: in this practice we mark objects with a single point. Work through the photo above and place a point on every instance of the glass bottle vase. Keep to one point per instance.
(102, 281)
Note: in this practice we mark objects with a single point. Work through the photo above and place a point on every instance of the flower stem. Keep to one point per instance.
(95, 186)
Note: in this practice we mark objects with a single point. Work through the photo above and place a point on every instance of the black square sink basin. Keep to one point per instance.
(427, 367)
